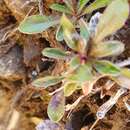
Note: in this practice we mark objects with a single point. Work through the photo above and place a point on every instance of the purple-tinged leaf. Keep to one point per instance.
(48, 125)
(56, 107)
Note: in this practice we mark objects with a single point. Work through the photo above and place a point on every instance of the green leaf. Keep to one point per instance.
(107, 48)
(84, 32)
(125, 72)
(36, 24)
(96, 5)
(113, 18)
(81, 74)
(69, 4)
(66, 23)
(60, 8)
(84, 37)
(59, 34)
(69, 32)
(54, 53)
(56, 107)
(81, 4)
(47, 81)
(71, 40)
(106, 67)
(74, 63)
(69, 88)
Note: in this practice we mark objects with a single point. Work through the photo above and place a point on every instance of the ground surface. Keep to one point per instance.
(20, 63)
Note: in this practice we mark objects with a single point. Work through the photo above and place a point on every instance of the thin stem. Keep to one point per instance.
(8, 34)
(57, 90)
(72, 106)
(40, 6)
(14, 120)
(94, 124)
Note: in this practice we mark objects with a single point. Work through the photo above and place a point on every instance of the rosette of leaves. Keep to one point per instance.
(39, 23)
(86, 59)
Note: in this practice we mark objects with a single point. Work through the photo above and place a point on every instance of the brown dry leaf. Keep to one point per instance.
(32, 52)
(6, 45)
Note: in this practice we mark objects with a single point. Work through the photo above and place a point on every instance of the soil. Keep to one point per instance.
(21, 62)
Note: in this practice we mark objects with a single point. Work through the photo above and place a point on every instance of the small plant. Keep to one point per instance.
(85, 59)
(39, 23)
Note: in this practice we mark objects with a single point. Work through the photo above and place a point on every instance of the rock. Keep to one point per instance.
(11, 66)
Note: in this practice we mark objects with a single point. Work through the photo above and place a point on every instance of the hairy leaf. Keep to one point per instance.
(70, 34)
(48, 125)
(125, 72)
(85, 35)
(66, 23)
(69, 88)
(47, 81)
(81, 4)
(36, 24)
(112, 19)
(71, 39)
(84, 32)
(106, 67)
(96, 5)
(123, 81)
(59, 34)
(60, 8)
(54, 53)
(56, 107)
(74, 63)
(107, 48)
(124, 78)
(69, 4)
(81, 74)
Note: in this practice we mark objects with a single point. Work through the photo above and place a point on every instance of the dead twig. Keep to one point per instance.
(8, 34)
(40, 6)
(13, 121)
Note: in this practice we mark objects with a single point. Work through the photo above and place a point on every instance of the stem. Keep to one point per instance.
(40, 6)
(94, 124)
(57, 90)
